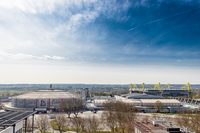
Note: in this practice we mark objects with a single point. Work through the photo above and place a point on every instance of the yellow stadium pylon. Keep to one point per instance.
(168, 86)
(183, 87)
(158, 87)
(189, 88)
(143, 87)
(132, 87)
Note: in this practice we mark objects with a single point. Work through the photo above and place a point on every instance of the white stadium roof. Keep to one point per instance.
(46, 94)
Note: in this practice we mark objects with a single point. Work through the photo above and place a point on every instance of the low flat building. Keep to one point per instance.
(150, 105)
(151, 127)
(164, 102)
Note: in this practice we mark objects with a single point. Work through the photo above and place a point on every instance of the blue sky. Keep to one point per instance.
(158, 40)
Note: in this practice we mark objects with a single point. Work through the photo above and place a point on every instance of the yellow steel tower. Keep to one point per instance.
(132, 87)
(189, 88)
(143, 87)
(157, 86)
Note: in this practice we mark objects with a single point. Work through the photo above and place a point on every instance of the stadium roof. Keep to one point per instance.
(142, 96)
(10, 118)
(164, 101)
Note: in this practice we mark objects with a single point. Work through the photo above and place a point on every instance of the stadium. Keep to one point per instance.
(45, 100)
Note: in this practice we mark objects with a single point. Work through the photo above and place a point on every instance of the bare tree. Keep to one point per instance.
(120, 117)
(158, 106)
(92, 125)
(79, 124)
(42, 124)
(70, 106)
(77, 106)
(110, 120)
(66, 106)
(59, 123)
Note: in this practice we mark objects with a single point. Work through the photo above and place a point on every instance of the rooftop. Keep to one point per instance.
(164, 101)
(46, 94)
(10, 118)
(141, 96)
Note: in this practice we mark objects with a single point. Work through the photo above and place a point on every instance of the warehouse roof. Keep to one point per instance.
(164, 101)
(46, 94)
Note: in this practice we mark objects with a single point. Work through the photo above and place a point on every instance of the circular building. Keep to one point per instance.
(46, 99)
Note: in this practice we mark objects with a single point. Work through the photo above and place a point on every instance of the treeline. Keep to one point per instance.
(118, 117)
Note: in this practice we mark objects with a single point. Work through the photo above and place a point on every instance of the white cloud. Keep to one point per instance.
(42, 6)
(21, 56)
(53, 27)
(80, 19)
(51, 30)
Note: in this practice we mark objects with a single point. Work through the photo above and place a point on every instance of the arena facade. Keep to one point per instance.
(45, 99)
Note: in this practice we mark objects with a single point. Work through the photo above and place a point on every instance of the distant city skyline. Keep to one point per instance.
(100, 41)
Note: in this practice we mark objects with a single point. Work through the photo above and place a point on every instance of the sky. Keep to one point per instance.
(100, 41)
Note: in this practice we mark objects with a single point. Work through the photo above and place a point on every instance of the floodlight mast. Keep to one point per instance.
(157, 86)
(189, 88)
(143, 87)
(132, 88)
(168, 86)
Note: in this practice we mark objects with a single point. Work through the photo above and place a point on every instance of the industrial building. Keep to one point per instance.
(143, 102)
(157, 126)
(150, 105)
(44, 99)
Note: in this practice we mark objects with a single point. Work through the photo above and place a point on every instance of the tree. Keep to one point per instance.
(110, 120)
(59, 123)
(42, 124)
(77, 106)
(66, 106)
(158, 106)
(120, 117)
(70, 106)
(79, 124)
(92, 125)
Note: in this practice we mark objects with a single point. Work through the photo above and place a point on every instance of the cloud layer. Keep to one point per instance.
(53, 28)
(95, 31)
(117, 33)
